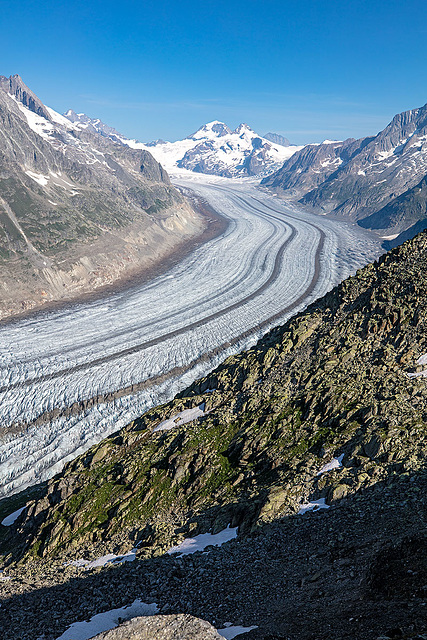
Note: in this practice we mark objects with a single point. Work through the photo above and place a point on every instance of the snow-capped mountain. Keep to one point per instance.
(221, 151)
(94, 125)
(213, 149)
(362, 179)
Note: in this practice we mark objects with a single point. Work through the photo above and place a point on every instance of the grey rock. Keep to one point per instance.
(70, 193)
(172, 627)
(95, 125)
(277, 139)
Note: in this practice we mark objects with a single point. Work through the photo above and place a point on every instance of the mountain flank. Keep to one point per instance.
(375, 180)
(77, 210)
(312, 443)
(338, 380)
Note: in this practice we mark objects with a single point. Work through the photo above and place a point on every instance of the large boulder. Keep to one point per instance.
(172, 627)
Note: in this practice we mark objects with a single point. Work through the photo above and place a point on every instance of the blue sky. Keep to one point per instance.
(309, 69)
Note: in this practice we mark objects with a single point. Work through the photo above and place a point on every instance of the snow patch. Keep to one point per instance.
(38, 177)
(231, 632)
(10, 519)
(107, 620)
(335, 463)
(188, 415)
(110, 558)
(391, 237)
(420, 374)
(315, 505)
(200, 542)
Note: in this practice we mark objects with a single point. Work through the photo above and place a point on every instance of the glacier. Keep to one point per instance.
(70, 377)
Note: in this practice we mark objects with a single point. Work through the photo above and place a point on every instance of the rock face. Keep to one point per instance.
(276, 138)
(408, 209)
(357, 179)
(173, 627)
(77, 211)
(323, 408)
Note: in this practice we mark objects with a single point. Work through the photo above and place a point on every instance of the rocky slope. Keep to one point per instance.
(408, 211)
(77, 211)
(94, 125)
(336, 384)
(329, 410)
(358, 178)
(215, 149)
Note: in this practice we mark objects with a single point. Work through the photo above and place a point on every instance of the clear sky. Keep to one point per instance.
(308, 69)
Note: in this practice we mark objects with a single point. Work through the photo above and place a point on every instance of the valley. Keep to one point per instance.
(72, 376)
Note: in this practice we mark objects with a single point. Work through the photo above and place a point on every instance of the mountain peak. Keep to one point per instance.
(242, 128)
(276, 138)
(15, 86)
(95, 125)
(215, 127)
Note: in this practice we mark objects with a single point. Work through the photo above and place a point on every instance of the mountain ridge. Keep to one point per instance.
(356, 179)
(313, 390)
(213, 149)
(77, 210)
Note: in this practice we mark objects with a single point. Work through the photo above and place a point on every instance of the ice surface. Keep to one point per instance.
(181, 418)
(107, 620)
(232, 632)
(10, 519)
(215, 302)
(200, 542)
(335, 463)
(315, 505)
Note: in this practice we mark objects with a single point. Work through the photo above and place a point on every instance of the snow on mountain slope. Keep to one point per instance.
(77, 210)
(94, 125)
(366, 179)
(213, 149)
(216, 149)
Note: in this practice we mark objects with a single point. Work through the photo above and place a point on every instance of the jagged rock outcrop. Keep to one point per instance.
(77, 211)
(15, 87)
(172, 627)
(341, 383)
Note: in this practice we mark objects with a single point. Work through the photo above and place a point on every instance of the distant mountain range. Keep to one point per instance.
(378, 181)
(77, 210)
(213, 149)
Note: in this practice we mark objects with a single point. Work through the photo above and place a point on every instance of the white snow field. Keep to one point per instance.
(271, 262)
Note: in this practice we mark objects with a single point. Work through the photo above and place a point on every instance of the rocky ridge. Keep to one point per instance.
(339, 383)
(358, 179)
(328, 410)
(77, 211)
(277, 139)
